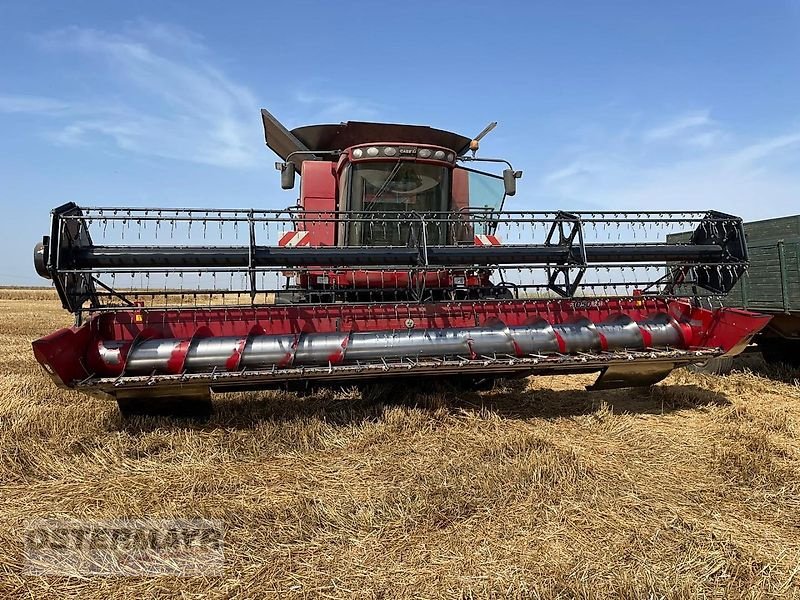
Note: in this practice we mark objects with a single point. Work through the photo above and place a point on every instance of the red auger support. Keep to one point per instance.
(537, 332)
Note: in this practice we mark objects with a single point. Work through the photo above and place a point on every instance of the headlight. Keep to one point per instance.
(439, 155)
(358, 153)
(424, 153)
(389, 151)
(372, 151)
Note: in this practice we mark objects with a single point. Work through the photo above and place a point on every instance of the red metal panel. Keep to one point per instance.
(460, 187)
(62, 353)
(277, 319)
(65, 351)
(318, 195)
(729, 328)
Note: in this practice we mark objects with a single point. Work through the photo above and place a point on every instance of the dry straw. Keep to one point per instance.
(535, 489)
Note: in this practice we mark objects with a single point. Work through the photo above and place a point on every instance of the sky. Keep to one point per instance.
(604, 105)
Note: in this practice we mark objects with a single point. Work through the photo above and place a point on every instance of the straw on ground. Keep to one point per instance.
(535, 489)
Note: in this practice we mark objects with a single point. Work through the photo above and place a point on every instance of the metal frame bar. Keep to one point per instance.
(461, 365)
(715, 258)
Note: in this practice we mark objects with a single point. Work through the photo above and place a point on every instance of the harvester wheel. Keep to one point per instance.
(503, 292)
(484, 384)
(174, 407)
(472, 384)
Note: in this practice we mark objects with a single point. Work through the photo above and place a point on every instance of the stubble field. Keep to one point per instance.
(535, 489)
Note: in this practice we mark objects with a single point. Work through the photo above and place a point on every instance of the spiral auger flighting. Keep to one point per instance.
(231, 353)
(399, 273)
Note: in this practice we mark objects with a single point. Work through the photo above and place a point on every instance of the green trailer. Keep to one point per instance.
(771, 285)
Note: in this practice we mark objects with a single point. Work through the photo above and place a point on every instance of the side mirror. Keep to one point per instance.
(287, 170)
(510, 177)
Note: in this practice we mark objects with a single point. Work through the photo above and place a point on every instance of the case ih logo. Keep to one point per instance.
(291, 239)
(487, 240)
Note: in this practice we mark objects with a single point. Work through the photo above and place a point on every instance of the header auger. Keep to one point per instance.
(398, 260)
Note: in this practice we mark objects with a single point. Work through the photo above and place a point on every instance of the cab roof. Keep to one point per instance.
(321, 138)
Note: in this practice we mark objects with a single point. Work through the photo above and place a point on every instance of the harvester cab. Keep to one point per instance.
(399, 260)
(375, 185)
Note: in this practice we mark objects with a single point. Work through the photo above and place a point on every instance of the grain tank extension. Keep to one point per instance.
(400, 259)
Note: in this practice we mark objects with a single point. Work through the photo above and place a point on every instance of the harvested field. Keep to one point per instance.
(537, 489)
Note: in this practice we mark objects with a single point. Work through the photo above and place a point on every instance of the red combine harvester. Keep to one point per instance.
(398, 261)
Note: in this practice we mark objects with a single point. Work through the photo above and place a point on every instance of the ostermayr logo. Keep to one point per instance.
(132, 547)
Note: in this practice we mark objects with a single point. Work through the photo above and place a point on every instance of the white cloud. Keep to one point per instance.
(162, 96)
(750, 155)
(335, 107)
(753, 178)
(20, 103)
(677, 126)
(570, 172)
(707, 139)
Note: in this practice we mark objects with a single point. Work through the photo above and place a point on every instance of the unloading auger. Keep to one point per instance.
(398, 260)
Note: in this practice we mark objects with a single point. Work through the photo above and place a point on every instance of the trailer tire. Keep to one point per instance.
(776, 351)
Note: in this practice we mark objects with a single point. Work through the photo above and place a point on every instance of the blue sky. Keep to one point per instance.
(608, 105)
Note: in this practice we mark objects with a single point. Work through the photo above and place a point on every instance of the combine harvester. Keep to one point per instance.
(398, 261)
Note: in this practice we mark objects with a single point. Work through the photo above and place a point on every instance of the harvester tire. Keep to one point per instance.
(472, 384)
(199, 409)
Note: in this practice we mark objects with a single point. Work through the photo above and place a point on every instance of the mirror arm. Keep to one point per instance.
(517, 174)
(312, 152)
(509, 175)
(288, 168)
(493, 160)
